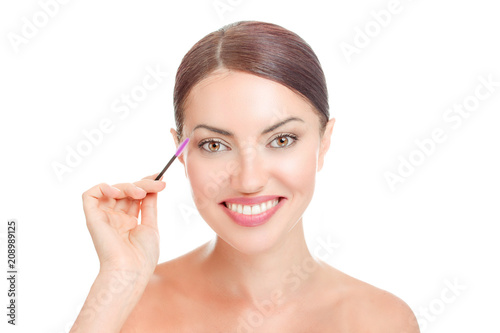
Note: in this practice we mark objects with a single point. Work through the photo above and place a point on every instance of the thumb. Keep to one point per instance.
(149, 211)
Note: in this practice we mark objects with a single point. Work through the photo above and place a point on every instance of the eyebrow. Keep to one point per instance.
(267, 130)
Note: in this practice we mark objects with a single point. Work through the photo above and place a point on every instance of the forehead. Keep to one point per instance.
(232, 99)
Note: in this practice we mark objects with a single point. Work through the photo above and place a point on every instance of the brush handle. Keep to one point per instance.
(166, 167)
(177, 153)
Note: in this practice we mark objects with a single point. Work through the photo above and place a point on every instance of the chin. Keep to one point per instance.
(252, 243)
(256, 240)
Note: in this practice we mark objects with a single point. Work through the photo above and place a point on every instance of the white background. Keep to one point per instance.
(440, 224)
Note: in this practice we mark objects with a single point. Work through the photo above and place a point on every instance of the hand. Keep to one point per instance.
(112, 219)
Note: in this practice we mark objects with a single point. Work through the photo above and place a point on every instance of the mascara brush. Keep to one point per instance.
(177, 153)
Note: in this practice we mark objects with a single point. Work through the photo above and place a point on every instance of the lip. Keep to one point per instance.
(252, 220)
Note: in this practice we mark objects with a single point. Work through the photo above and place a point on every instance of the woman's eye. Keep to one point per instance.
(213, 146)
(283, 141)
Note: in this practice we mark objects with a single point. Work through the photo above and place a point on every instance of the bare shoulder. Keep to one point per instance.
(387, 313)
(365, 308)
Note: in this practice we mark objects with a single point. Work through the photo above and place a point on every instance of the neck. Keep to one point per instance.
(284, 271)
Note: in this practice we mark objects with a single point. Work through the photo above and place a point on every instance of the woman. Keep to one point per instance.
(252, 98)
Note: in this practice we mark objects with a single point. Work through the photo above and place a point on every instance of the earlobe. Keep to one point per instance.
(325, 143)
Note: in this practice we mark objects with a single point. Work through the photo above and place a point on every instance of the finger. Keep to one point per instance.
(151, 186)
(153, 177)
(92, 196)
(149, 211)
(124, 205)
(134, 208)
(130, 194)
(130, 190)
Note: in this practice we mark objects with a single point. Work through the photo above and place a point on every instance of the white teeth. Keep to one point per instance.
(252, 210)
(269, 204)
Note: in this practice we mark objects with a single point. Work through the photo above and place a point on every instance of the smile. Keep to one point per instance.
(252, 212)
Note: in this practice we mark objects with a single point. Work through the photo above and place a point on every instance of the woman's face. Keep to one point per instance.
(254, 148)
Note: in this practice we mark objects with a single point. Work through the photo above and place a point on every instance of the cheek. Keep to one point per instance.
(297, 170)
(207, 177)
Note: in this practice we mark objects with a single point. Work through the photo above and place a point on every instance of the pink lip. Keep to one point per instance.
(252, 220)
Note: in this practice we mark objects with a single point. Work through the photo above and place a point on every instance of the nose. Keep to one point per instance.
(251, 174)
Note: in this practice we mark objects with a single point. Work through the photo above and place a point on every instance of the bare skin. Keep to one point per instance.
(181, 297)
(248, 279)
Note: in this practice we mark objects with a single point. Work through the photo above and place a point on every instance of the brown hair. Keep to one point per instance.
(263, 49)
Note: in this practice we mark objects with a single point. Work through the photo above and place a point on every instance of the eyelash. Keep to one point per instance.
(281, 135)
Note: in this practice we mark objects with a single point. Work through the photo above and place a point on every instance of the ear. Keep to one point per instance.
(177, 143)
(325, 143)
